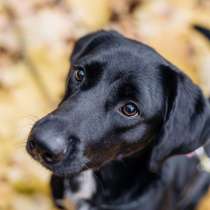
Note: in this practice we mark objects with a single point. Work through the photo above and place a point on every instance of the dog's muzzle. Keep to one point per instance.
(48, 142)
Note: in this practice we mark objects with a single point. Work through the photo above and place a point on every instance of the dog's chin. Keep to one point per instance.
(61, 169)
(74, 168)
(65, 171)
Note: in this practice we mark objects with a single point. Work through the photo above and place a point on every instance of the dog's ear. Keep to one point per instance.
(186, 124)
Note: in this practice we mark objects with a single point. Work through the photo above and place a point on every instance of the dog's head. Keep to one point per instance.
(121, 96)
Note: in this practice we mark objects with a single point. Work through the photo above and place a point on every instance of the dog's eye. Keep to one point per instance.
(79, 75)
(130, 109)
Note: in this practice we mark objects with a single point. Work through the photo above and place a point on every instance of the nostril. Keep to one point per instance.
(31, 145)
(51, 158)
(48, 158)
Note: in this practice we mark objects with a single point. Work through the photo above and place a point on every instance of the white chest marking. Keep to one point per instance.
(204, 159)
(87, 187)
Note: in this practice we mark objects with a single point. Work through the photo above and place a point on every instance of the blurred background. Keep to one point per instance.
(36, 38)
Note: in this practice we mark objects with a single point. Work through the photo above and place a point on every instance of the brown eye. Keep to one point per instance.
(79, 75)
(130, 110)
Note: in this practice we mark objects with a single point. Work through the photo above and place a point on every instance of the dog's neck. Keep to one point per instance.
(123, 178)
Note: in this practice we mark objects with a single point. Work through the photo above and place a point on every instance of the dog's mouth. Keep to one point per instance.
(74, 161)
(64, 168)
(79, 158)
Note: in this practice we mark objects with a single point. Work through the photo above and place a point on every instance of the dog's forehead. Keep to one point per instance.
(114, 56)
(113, 49)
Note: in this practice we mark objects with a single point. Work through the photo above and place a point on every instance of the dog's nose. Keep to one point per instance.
(48, 143)
(49, 152)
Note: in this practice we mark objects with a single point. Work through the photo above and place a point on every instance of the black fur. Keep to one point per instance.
(127, 154)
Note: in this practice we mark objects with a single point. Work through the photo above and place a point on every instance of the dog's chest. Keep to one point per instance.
(81, 187)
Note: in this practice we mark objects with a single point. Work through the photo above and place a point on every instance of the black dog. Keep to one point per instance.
(125, 111)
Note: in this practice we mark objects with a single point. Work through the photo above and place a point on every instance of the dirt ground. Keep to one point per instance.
(36, 38)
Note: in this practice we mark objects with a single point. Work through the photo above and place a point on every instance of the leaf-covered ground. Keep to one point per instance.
(36, 38)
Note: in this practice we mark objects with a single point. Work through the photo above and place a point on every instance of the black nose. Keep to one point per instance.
(47, 142)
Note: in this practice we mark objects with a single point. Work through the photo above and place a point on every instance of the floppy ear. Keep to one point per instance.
(186, 124)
